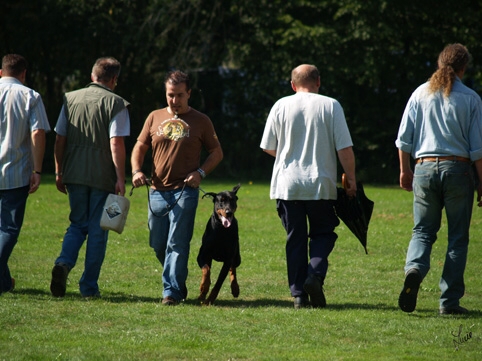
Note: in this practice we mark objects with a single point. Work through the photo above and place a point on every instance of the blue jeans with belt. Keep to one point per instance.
(170, 235)
(86, 207)
(314, 220)
(438, 185)
(12, 210)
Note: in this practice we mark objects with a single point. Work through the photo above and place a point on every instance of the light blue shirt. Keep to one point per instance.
(306, 130)
(119, 126)
(21, 112)
(434, 125)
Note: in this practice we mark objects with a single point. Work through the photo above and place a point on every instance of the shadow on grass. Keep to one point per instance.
(255, 303)
(108, 297)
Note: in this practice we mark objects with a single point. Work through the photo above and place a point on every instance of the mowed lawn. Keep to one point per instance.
(361, 322)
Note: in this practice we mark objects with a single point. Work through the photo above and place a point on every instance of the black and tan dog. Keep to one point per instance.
(220, 242)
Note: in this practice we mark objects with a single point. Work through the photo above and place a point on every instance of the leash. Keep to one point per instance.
(169, 206)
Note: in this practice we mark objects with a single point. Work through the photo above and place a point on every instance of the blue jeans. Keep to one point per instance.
(170, 235)
(12, 211)
(86, 207)
(438, 185)
(295, 217)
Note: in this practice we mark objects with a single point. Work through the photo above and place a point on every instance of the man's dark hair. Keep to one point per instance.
(13, 65)
(176, 77)
(106, 68)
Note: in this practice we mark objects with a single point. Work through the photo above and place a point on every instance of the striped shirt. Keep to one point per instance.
(21, 112)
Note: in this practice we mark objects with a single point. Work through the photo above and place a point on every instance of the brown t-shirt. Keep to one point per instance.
(176, 145)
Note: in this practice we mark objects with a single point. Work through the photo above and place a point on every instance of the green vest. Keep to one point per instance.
(88, 158)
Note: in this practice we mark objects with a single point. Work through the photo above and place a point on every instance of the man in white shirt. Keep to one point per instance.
(305, 132)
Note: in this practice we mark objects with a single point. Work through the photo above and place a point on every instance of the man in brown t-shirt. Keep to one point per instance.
(177, 134)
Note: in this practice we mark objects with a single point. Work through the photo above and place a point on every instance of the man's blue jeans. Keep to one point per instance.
(295, 217)
(438, 185)
(12, 211)
(170, 235)
(86, 207)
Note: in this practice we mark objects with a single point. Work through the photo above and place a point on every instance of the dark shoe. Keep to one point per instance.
(314, 287)
(58, 285)
(169, 301)
(408, 297)
(301, 302)
(13, 285)
(457, 310)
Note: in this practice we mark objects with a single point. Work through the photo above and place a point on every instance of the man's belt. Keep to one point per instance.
(452, 158)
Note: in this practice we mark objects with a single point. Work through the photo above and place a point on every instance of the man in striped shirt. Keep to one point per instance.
(23, 124)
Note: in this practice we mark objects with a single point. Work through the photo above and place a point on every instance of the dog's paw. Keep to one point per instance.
(206, 303)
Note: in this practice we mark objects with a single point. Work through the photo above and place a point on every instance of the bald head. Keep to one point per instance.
(305, 77)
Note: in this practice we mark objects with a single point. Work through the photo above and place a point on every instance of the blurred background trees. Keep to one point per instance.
(371, 55)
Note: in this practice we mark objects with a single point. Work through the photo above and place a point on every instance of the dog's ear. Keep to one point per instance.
(235, 189)
(210, 194)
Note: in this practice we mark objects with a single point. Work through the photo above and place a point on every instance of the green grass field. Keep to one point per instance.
(361, 322)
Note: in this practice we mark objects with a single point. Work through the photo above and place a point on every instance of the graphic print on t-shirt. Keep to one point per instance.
(174, 129)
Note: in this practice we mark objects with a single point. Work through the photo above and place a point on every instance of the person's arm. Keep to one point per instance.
(59, 149)
(406, 173)
(347, 160)
(118, 150)
(215, 156)
(137, 159)
(38, 151)
(478, 168)
(270, 152)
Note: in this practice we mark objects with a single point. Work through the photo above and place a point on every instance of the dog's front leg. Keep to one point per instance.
(234, 282)
(205, 282)
(217, 286)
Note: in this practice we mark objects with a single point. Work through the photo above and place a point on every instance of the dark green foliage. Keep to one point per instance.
(371, 54)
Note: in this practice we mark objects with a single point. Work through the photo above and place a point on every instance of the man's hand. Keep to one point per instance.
(479, 195)
(34, 183)
(193, 179)
(139, 179)
(406, 180)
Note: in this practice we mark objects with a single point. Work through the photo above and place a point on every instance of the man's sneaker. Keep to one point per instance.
(92, 296)
(457, 310)
(301, 302)
(314, 287)
(408, 297)
(169, 301)
(58, 285)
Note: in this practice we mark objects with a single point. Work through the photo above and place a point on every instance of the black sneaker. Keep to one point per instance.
(314, 287)
(457, 310)
(58, 285)
(408, 297)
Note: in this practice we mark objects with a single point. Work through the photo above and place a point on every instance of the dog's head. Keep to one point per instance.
(225, 205)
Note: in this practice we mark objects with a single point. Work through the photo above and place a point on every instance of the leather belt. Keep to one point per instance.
(452, 158)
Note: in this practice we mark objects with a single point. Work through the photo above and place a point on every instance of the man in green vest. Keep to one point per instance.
(89, 164)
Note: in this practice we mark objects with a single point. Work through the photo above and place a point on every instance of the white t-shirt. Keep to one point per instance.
(306, 130)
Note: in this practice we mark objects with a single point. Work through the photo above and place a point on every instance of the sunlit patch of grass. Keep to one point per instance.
(362, 320)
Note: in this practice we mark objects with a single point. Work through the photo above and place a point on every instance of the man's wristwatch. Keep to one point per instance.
(202, 173)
